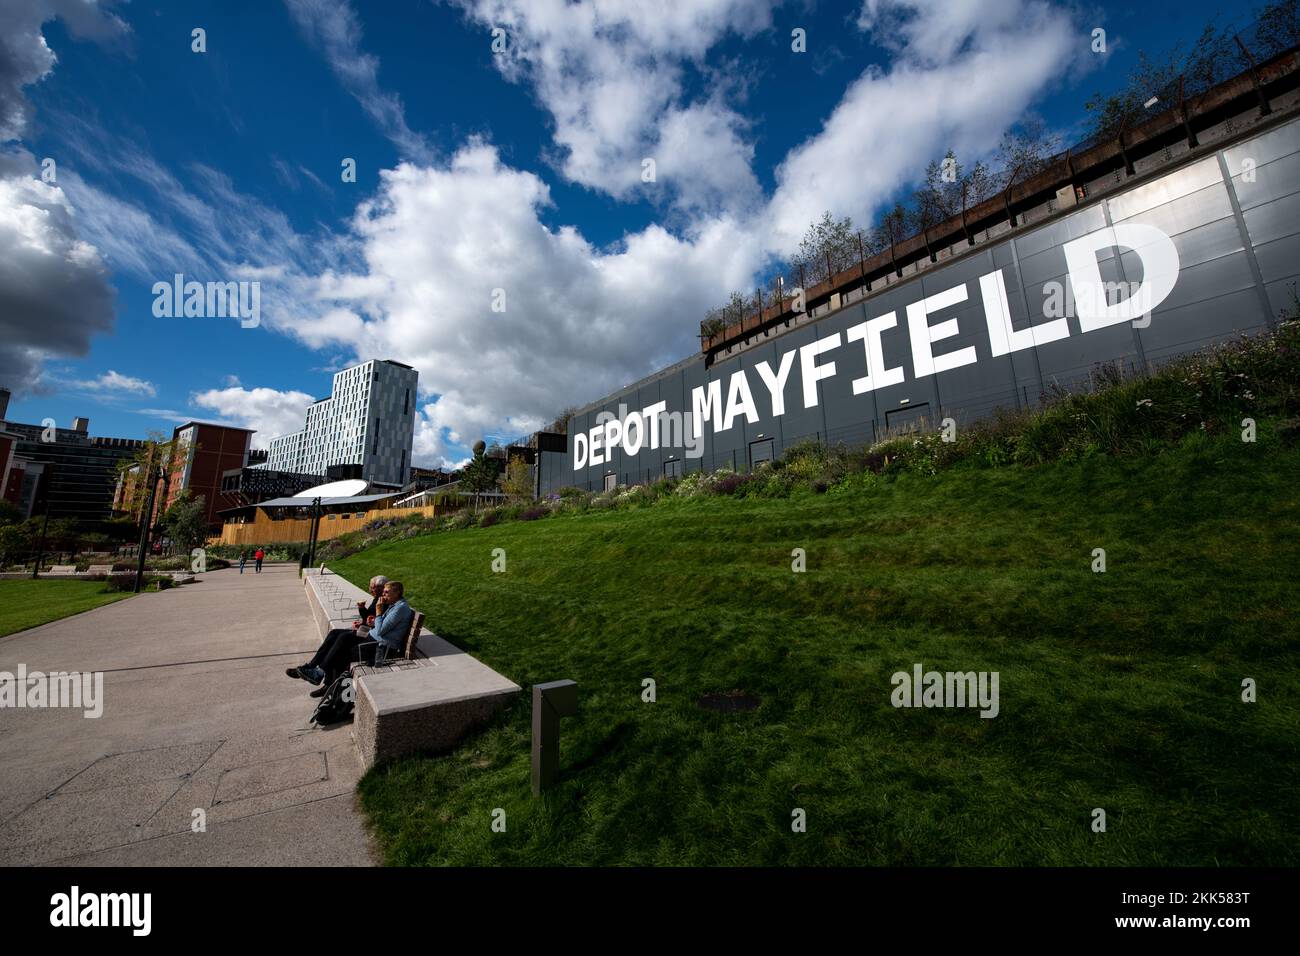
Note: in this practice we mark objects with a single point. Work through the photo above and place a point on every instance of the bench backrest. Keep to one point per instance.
(63, 569)
(100, 569)
(413, 636)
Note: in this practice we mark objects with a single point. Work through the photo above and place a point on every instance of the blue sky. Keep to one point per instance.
(475, 172)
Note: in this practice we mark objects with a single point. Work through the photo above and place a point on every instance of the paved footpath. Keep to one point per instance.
(198, 715)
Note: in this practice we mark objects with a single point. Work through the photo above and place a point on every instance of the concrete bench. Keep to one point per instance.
(426, 700)
(62, 569)
(100, 569)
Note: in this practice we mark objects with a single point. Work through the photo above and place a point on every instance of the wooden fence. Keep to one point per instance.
(266, 530)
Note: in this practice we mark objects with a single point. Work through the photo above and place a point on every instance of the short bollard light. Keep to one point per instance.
(550, 702)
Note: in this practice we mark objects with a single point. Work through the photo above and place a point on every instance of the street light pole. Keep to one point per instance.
(144, 528)
(40, 548)
(315, 530)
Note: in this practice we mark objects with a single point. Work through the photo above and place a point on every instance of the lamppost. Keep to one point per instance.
(40, 548)
(315, 530)
(144, 528)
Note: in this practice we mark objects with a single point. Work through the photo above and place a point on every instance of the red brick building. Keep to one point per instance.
(203, 453)
(200, 454)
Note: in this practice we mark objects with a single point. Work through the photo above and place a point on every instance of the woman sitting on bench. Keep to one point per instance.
(367, 612)
(335, 656)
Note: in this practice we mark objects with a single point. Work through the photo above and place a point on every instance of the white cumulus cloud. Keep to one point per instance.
(966, 70)
(576, 319)
(268, 411)
(112, 382)
(612, 75)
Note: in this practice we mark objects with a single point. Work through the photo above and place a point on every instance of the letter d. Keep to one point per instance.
(1159, 258)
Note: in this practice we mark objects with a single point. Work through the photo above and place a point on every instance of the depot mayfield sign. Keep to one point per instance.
(1095, 303)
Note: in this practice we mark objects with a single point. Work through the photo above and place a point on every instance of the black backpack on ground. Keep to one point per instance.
(336, 704)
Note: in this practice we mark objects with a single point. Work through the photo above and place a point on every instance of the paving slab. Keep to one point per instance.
(199, 721)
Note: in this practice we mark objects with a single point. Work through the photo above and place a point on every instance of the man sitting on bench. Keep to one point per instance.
(344, 634)
(389, 630)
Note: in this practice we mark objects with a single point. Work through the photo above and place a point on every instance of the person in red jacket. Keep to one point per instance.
(258, 555)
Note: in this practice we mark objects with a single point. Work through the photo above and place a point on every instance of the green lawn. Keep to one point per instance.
(25, 604)
(1119, 690)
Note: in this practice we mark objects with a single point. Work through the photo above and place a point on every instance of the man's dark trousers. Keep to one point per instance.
(338, 653)
(347, 635)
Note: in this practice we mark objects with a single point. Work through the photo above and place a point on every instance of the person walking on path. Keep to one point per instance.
(257, 557)
(243, 559)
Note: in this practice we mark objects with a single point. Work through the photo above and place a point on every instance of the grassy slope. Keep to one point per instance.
(1118, 690)
(25, 604)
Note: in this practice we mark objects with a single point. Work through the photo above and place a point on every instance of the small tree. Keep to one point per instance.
(158, 450)
(517, 482)
(895, 226)
(9, 513)
(939, 198)
(61, 534)
(481, 472)
(15, 543)
(714, 323)
(1277, 28)
(1023, 152)
(561, 423)
(829, 246)
(186, 521)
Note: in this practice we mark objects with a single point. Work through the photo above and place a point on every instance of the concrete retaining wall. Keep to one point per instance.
(408, 707)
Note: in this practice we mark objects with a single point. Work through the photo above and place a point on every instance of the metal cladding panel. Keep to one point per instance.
(1188, 212)
(647, 465)
(578, 426)
(1276, 220)
(723, 445)
(769, 425)
(1169, 333)
(1054, 234)
(1027, 312)
(1282, 294)
(801, 420)
(1274, 144)
(1166, 191)
(1267, 182)
(677, 393)
(1277, 260)
(974, 386)
(1070, 361)
(1203, 244)
(551, 468)
(1224, 285)
(895, 352)
(1042, 264)
(848, 417)
(1209, 280)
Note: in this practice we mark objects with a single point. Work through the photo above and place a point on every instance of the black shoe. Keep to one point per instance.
(296, 672)
(318, 692)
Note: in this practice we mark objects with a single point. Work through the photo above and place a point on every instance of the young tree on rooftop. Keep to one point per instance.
(517, 482)
(480, 474)
(1024, 151)
(826, 239)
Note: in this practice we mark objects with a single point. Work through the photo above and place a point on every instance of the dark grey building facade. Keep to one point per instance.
(78, 472)
(1185, 254)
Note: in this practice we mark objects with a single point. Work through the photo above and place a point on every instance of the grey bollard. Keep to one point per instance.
(550, 702)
